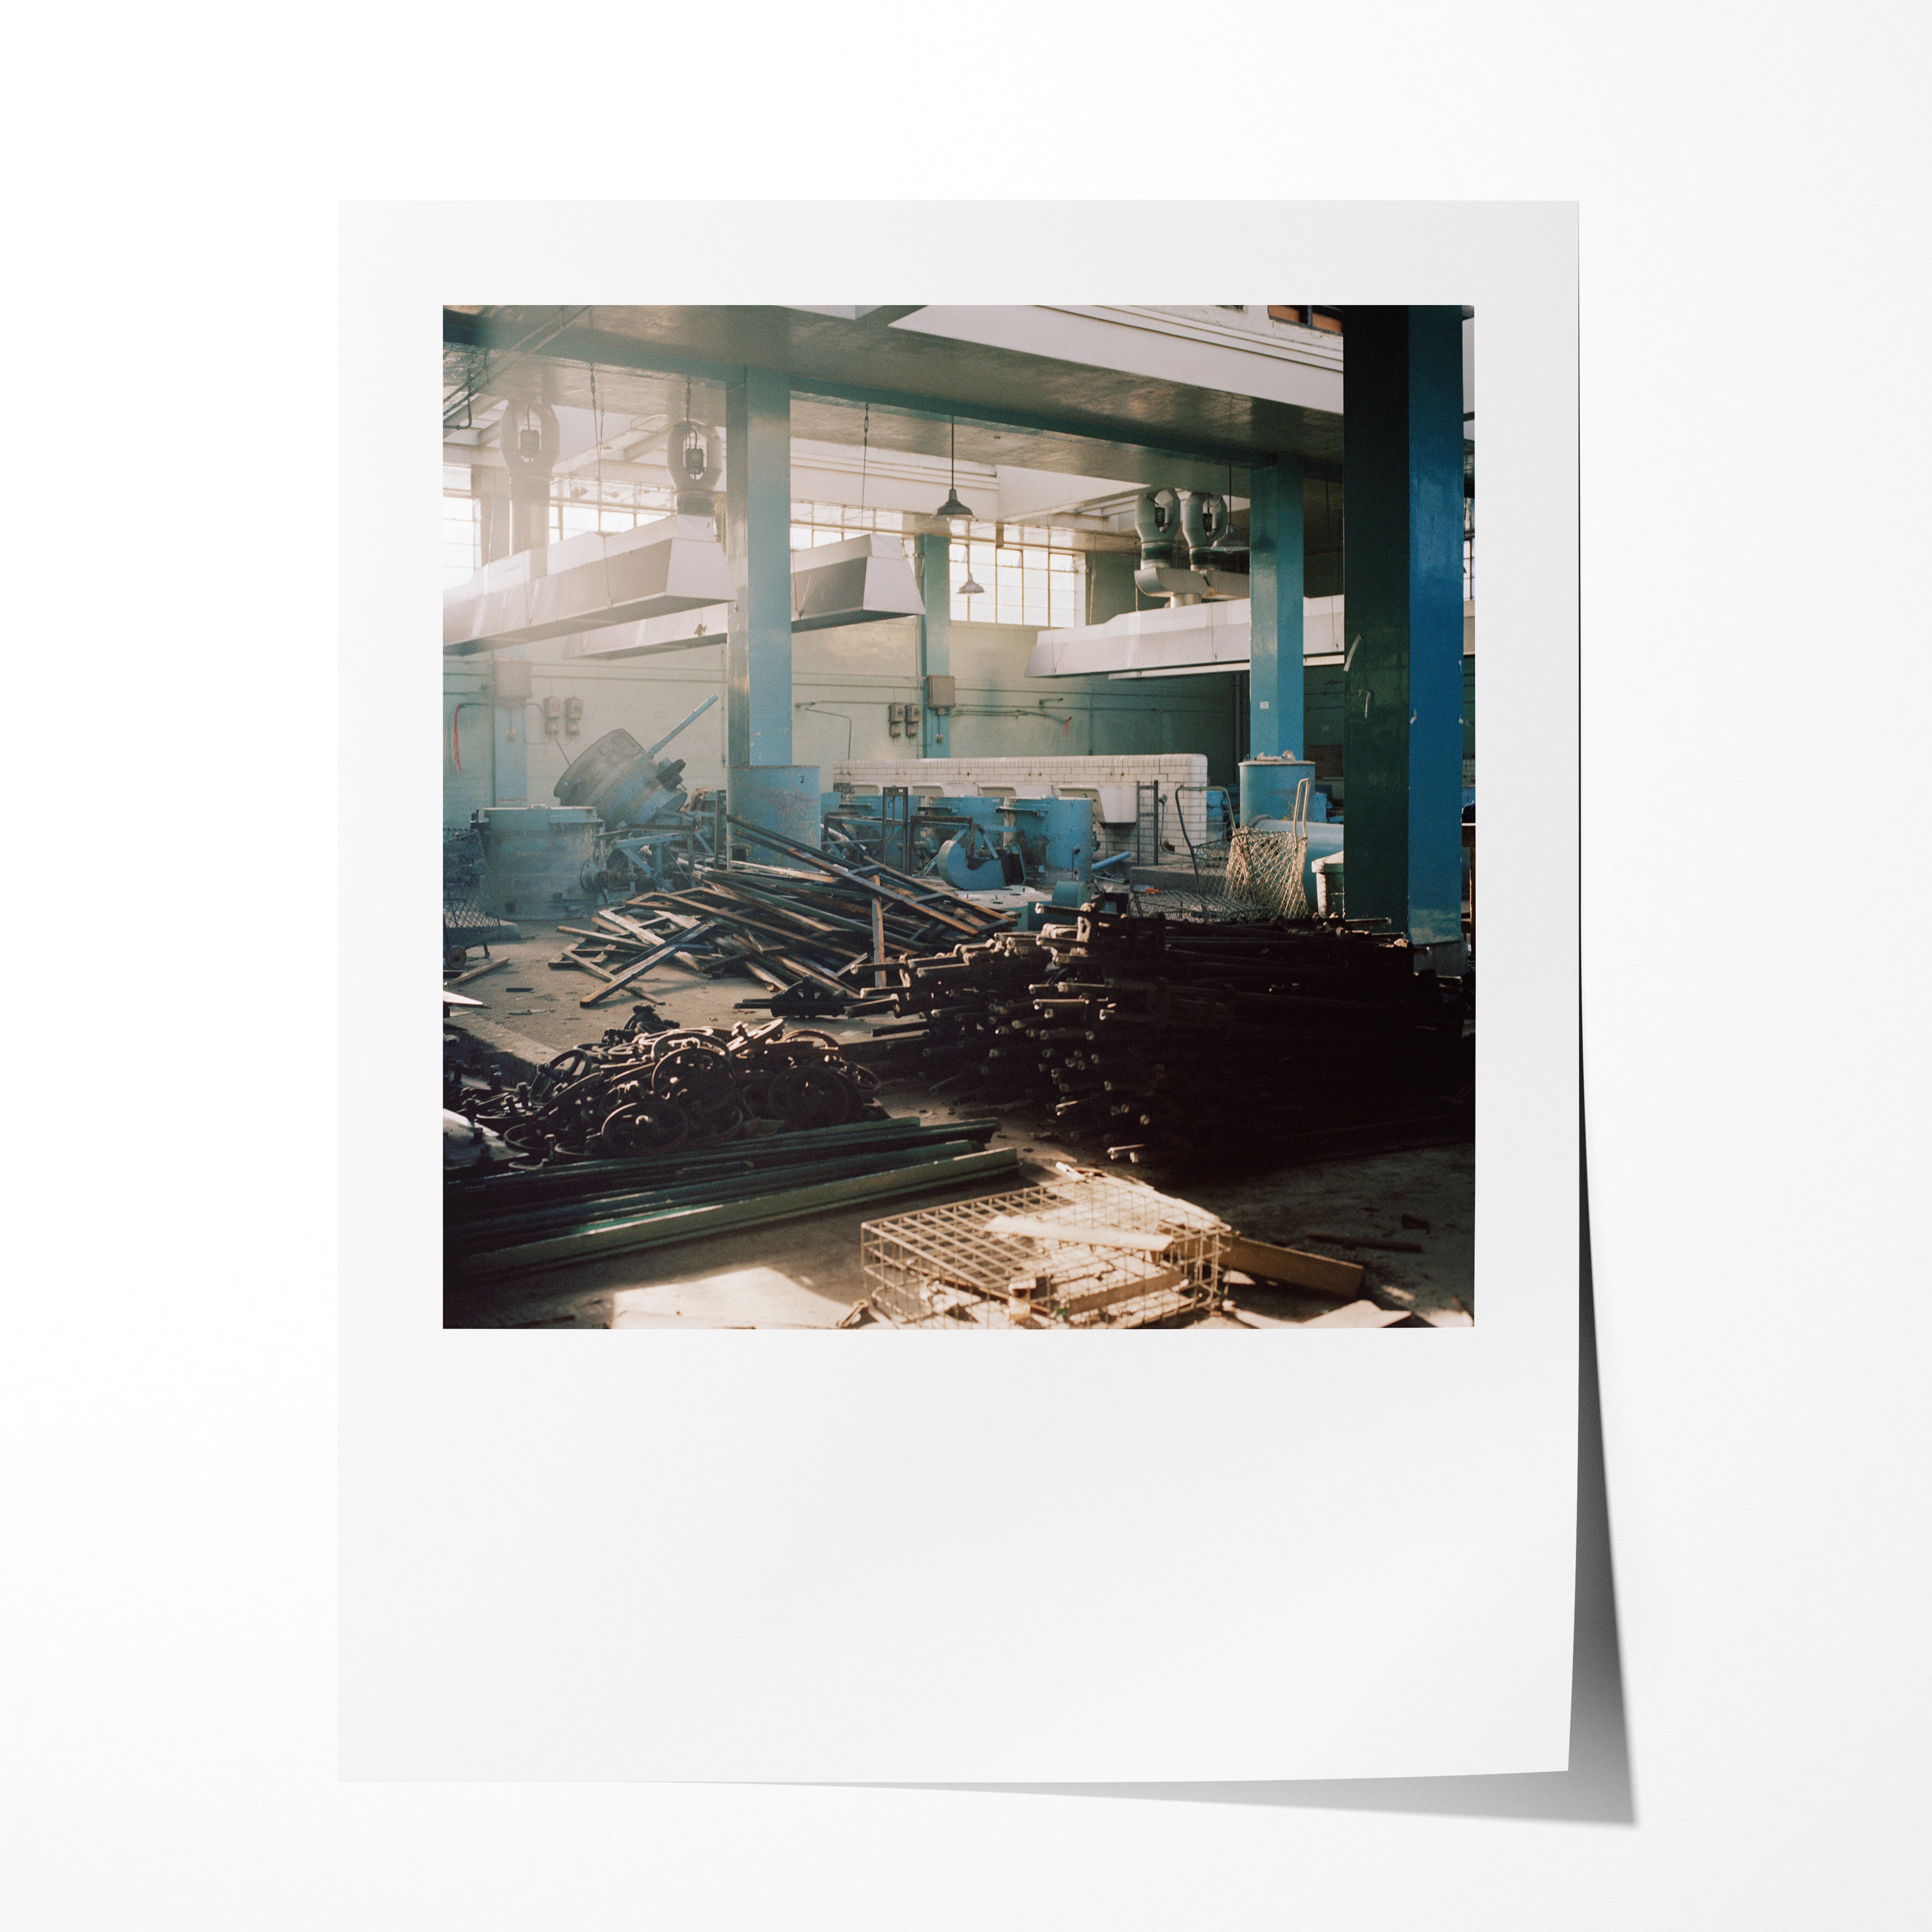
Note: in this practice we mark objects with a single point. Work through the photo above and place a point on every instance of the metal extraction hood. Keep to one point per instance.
(859, 580)
(855, 582)
(586, 583)
(1183, 637)
(1179, 640)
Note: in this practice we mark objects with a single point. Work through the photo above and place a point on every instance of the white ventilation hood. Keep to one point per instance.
(860, 581)
(1178, 640)
(583, 584)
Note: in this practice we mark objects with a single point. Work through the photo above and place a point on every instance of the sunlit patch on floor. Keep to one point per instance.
(753, 1297)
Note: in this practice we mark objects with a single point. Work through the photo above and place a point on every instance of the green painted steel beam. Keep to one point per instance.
(682, 1224)
(1402, 717)
(574, 344)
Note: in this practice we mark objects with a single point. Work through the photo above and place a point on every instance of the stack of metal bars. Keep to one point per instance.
(953, 1267)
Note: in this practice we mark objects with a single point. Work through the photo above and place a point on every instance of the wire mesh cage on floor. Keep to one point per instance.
(1264, 868)
(1087, 1250)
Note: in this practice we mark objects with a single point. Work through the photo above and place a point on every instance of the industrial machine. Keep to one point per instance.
(640, 803)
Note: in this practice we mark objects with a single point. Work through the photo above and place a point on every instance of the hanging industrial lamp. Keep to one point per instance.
(969, 588)
(952, 507)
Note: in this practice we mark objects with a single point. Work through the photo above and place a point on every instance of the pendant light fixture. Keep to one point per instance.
(952, 507)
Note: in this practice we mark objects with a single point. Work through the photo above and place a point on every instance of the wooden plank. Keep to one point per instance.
(631, 928)
(644, 965)
(1122, 1291)
(576, 959)
(1325, 1276)
(1090, 1237)
(476, 972)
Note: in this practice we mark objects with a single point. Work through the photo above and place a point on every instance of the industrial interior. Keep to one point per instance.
(959, 818)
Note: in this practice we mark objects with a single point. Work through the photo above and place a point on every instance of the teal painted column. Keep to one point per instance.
(1275, 540)
(509, 752)
(758, 538)
(935, 635)
(1401, 428)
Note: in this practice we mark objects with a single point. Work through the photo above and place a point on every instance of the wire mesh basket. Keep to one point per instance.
(1089, 1250)
(1264, 868)
(468, 911)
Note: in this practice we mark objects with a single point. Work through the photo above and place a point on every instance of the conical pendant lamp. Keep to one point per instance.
(952, 507)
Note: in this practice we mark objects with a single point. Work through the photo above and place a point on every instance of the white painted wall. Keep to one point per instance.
(853, 674)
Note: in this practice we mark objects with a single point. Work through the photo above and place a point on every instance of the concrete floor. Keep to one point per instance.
(805, 1274)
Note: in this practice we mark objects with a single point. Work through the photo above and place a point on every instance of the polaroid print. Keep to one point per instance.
(957, 828)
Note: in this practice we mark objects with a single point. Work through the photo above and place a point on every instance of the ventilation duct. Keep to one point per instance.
(585, 583)
(1181, 637)
(1179, 640)
(1170, 521)
(855, 582)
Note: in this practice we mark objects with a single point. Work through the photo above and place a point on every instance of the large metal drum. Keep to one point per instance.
(535, 856)
(1268, 786)
(783, 798)
(612, 777)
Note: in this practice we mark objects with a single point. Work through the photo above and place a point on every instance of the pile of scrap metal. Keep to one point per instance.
(647, 1087)
(811, 930)
(1198, 1037)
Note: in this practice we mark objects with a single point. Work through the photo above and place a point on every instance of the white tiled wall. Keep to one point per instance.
(965, 777)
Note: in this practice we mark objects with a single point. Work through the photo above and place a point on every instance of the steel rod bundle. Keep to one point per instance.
(1147, 1032)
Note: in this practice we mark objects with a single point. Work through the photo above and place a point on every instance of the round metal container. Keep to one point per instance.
(1268, 786)
(612, 777)
(534, 855)
(1068, 825)
(783, 798)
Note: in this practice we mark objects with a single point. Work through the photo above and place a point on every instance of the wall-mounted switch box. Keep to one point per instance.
(512, 679)
(912, 721)
(895, 718)
(553, 708)
(573, 716)
(941, 692)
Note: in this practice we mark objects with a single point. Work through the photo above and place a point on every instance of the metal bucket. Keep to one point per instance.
(1268, 786)
(783, 798)
(535, 856)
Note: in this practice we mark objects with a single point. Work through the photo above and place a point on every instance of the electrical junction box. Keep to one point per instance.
(573, 716)
(512, 679)
(941, 692)
(553, 710)
(895, 718)
(912, 721)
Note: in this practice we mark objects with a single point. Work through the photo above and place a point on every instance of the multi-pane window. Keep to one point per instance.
(462, 532)
(577, 505)
(815, 523)
(1025, 576)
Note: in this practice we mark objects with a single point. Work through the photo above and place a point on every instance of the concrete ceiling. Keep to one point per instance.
(1015, 409)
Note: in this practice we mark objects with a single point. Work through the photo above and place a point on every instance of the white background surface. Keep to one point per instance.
(1748, 189)
(1045, 1564)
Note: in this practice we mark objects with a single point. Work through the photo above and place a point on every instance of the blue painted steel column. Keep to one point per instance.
(935, 634)
(758, 538)
(1275, 539)
(1401, 428)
